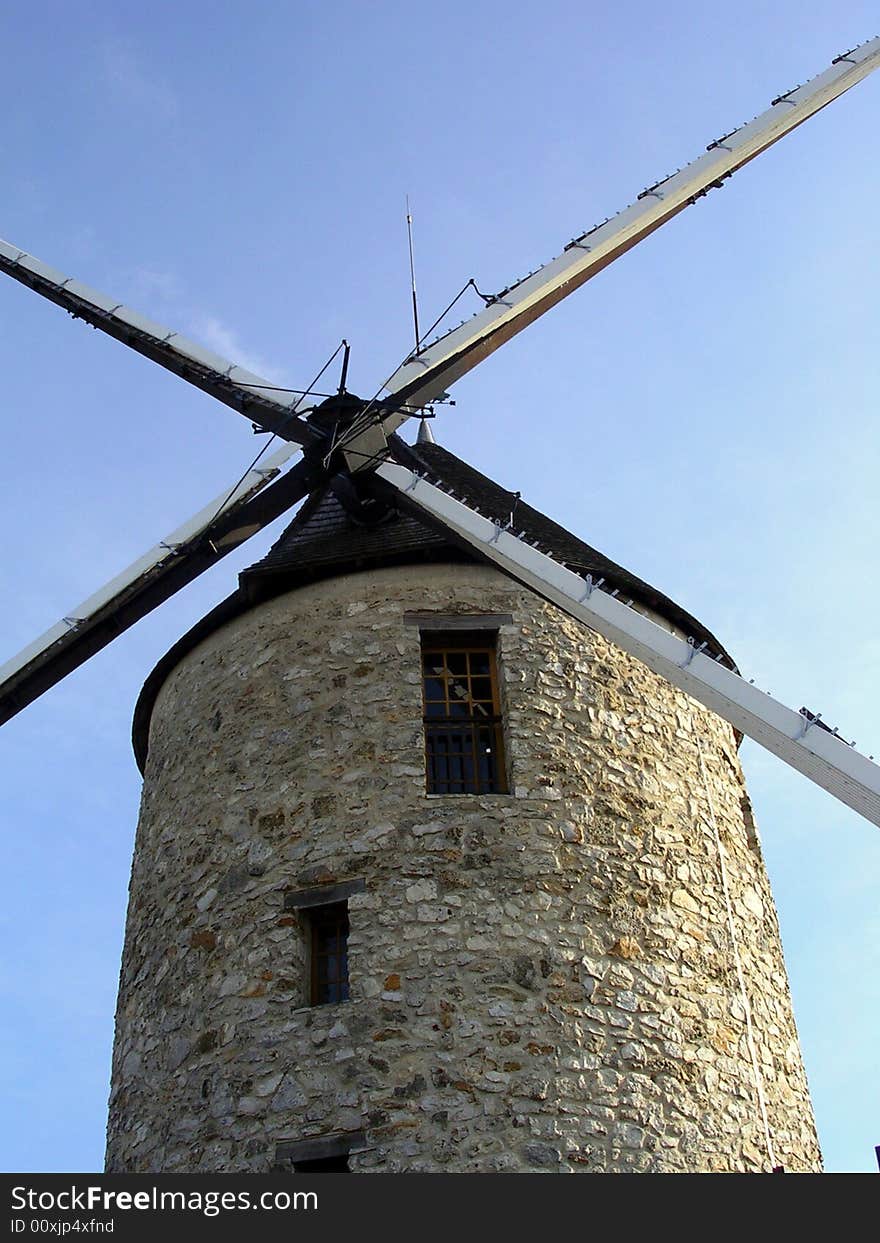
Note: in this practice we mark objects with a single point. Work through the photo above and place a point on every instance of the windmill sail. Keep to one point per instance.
(210, 535)
(429, 373)
(274, 409)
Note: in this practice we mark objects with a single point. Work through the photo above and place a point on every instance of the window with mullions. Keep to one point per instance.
(464, 749)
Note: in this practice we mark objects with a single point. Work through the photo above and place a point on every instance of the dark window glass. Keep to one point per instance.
(323, 1165)
(462, 717)
(329, 953)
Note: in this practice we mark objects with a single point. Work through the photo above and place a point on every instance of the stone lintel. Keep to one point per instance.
(323, 895)
(320, 1148)
(458, 621)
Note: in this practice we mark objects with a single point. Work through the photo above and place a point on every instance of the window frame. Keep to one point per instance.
(476, 642)
(308, 905)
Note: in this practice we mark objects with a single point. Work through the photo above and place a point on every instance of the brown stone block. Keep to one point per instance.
(626, 947)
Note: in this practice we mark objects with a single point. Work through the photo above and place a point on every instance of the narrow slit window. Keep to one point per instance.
(322, 1154)
(328, 935)
(464, 744)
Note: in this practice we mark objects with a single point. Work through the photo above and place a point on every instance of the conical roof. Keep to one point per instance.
(326, 538)
(335, 532)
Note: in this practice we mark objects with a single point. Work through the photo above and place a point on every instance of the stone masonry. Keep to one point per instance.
(540, 981)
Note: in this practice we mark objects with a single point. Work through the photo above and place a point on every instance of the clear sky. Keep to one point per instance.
(704, 411)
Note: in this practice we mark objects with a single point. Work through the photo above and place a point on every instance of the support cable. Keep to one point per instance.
(274, 436)
(366, 418)
(278, 388)
(443, 314)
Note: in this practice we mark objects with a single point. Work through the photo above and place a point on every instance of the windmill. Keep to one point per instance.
(348, 438)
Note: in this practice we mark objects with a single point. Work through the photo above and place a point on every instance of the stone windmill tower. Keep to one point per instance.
(445, 858)
(429, 878)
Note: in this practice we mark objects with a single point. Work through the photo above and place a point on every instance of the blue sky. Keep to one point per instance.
(704, 411)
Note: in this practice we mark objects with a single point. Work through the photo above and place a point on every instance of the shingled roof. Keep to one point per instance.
(328, 538)
(324, 539)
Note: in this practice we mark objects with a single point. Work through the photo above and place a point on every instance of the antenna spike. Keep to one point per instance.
(412, 275)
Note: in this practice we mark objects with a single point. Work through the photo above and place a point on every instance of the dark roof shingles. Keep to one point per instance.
(324, 539)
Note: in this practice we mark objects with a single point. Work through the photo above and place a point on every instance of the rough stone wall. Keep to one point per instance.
(540, 981)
